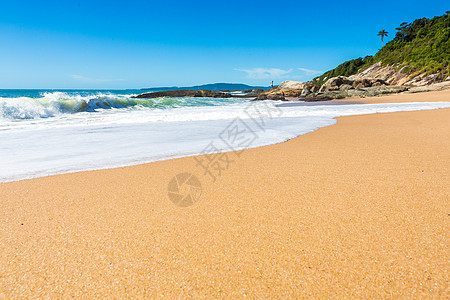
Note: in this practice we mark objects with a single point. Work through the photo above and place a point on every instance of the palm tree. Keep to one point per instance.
(383, 33)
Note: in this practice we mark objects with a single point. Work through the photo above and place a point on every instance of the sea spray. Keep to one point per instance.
(56, 103)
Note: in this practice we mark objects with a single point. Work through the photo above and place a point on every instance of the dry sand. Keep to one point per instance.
(355, 210)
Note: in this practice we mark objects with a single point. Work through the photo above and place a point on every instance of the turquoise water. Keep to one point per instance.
(32, 104)
(38, 93)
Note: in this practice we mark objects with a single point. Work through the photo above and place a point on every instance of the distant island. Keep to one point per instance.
(210, 87)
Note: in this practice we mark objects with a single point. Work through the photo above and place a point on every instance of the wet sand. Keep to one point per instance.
(354, 210)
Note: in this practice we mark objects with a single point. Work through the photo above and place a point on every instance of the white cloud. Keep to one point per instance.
(93, 80)
(264, 73)
(310, 72)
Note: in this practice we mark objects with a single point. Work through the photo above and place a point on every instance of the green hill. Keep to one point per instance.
(422, 46)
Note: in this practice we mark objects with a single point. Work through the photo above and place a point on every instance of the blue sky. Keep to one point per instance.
(134, 44)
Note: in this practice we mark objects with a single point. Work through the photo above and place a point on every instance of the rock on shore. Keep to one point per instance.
(289, 89)
(334, 88)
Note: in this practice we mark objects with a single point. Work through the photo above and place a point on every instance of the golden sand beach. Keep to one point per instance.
(355, 210)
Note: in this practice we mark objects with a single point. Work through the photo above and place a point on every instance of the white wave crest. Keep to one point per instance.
(25, 108)
(52, 104)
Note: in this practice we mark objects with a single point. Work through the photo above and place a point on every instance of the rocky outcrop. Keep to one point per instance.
(377, 91)
(290, 84)
(342, 87)
(289, 89)
(377, 80)
(185, 93)
(360, 85)
(432, 87)
(202, 93)
(253, 91)
(274, 93)
(362, 92)
(334, 88)
(397, 75)
(342, 83)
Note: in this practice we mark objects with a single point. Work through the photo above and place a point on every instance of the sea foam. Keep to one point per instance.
(40, 138)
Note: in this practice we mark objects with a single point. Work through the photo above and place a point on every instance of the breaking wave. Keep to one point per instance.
(57, 103)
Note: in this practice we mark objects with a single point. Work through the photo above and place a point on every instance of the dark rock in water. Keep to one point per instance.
(253, 91)
(185, 93)
(210, 87)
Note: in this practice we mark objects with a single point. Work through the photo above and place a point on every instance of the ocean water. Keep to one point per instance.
(47, 132)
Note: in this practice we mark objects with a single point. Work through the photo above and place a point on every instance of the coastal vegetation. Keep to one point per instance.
(422, 46)
(417, 56)
(345, 69)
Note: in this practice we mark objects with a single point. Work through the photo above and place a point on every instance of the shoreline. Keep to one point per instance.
(358, 209)
(114, 163)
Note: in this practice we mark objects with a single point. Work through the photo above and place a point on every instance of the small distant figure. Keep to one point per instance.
(271, 83)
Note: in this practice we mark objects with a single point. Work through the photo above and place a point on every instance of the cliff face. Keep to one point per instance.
(397, 75)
